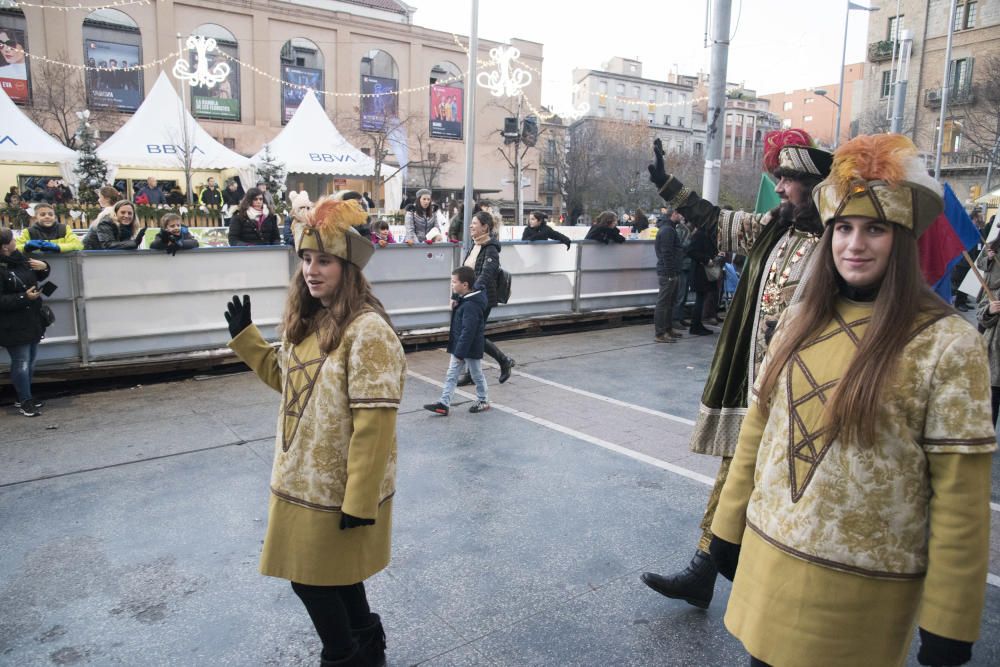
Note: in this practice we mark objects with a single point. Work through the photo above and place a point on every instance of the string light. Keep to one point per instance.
(78, 7)
(131, 68)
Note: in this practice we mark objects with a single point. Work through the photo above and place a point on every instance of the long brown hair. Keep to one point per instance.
(903, 299)
(304, 314)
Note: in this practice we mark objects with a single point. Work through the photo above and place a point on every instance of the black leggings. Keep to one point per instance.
(995, 401)
(489, 347)
(334, 610)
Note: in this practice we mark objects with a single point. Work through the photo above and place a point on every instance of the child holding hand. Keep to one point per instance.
(173, 236)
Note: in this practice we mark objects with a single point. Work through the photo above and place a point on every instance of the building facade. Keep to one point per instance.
(343, 47)
(808, 110)
(970, 129)
(747, 120)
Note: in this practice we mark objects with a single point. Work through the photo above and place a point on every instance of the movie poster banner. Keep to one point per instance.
(119, 89)
(376, 110)
(291, 96)
(221, 101)
(446, 112)
(13, 64)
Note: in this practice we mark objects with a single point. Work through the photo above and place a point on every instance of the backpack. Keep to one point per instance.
(504, 280)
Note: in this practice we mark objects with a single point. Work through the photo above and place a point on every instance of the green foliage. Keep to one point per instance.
(92, 170)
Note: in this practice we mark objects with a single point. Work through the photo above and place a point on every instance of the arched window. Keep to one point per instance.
(113, 44)
(379, 90)
(302, 66)
(15, 78)
(221, 101)
(446, 100)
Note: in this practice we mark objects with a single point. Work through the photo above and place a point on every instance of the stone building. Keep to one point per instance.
(806, 108)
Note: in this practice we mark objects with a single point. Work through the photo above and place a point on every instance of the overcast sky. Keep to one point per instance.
(777, 45)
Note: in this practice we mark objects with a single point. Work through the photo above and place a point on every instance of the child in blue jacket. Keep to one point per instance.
(465, 340)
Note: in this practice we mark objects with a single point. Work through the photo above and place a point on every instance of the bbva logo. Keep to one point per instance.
(170, 149)
(327, 157)
(7, 138)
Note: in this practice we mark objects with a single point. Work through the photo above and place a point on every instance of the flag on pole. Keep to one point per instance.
(767, 198)
(941, 246)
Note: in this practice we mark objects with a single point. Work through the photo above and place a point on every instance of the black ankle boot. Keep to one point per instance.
(371, 641)
(355, 659)
(695, 585)
(506, 363)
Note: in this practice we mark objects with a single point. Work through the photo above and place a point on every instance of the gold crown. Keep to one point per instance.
(330, 229)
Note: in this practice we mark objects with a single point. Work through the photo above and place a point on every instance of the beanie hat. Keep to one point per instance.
(330, 229)
(423, 191)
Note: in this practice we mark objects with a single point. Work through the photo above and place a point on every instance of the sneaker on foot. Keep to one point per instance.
(29, 408)
(38, 404)
(663, 338)
(437, 408)
(480, 406)
(674, 333)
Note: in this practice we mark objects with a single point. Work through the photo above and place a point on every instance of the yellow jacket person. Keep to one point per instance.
(340, 371)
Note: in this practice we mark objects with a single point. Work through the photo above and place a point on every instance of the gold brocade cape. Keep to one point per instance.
(864, 509)
(367, 370)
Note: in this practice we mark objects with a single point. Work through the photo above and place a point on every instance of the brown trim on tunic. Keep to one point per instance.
(316, 506)
(935, 442)
(833, 565)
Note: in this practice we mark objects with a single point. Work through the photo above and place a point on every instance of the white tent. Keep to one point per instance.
(23, 142)
(311, 144)
(154, 138)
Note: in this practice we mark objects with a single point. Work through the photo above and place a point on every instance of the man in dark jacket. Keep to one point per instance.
(466, 341)
(668, 266)
(211, 196)
(151, 192)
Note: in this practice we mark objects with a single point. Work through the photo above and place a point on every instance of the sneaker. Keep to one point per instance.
(674, 333)
(664, 338)
(437, 408)
(38, 404)
(29, 409)
(479, 406)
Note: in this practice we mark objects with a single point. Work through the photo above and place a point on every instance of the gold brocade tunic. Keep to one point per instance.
(844, 543)
(335, 450)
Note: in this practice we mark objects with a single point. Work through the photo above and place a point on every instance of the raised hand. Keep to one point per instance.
(238, 315)
(657, 172)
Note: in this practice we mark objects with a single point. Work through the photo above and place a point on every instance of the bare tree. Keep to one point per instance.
(606, 166)
(377, 143)
(980, 120)
(430, 160)
(57, 94)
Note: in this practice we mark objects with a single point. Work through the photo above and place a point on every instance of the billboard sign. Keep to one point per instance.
(446, 112)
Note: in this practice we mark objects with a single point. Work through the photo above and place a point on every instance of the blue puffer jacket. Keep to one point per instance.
(468, 326)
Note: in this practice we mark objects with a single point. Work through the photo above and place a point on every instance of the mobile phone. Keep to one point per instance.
(49, 288)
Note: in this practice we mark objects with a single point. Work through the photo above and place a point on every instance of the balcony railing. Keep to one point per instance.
(880, 51)
(956, 96)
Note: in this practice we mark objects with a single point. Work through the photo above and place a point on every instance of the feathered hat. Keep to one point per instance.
(330, 229)
(793, 153)
(880, 176)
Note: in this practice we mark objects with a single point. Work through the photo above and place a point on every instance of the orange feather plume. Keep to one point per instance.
(884, 157)
(334, 214)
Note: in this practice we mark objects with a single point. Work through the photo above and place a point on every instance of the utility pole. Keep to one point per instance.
(721, 16)
(518, 193)
(945, 89)
(902, 79)
(470, 126)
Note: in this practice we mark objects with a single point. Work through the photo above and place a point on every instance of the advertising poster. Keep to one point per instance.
(376, 110)
(291, 97)
(221, 101)
(13, 64)
(446, 112)
(118, 89)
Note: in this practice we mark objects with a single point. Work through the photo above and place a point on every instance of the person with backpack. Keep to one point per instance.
(484, 259)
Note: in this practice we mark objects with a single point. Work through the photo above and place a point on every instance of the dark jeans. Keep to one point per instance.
(489, 347)
(22, 368)
(682, 292)
(663, 315)
(699, 306)
(334, 610)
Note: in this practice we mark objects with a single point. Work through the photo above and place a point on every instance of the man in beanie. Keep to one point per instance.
(778, 245)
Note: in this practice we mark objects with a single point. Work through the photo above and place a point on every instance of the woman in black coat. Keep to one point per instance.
(21, 326)
(539, 230)
(484, 259)
(702, 250)
(253, 223)
(605, 230)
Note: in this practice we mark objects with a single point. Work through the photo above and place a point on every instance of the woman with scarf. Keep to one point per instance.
(858, 502)
(21, 326)
(253, 223)
(421, 218)
(988, 313)
(115, 233)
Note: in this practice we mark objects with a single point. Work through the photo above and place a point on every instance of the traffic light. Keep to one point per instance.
(529, 131)
(510, 130)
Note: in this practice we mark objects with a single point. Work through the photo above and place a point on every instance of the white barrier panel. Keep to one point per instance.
(118, 305)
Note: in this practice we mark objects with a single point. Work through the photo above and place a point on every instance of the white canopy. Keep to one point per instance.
(154, 137)
(23, 142)
(311, 144)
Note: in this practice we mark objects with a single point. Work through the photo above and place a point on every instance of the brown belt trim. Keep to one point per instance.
(314, 506)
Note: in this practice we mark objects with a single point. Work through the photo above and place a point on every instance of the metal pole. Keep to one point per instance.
(843, 62)
(902, 79)
(945, 89)
(518, 193)
(470, 126)
(721, 16)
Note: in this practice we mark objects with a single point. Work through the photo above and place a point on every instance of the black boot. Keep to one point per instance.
(695, 585)
(355, 659)
(506, 363)
(371, 641)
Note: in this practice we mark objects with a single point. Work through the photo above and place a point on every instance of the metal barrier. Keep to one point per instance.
(121, 305)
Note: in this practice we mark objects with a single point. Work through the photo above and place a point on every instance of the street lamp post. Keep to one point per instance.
(843, 63)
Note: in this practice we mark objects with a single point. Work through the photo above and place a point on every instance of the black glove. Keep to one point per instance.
(238, 315)
(941, 652)
(725, 555)
(567, 245)
(139, 235)
(172, 246)
(348, 521)
(657, 172)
